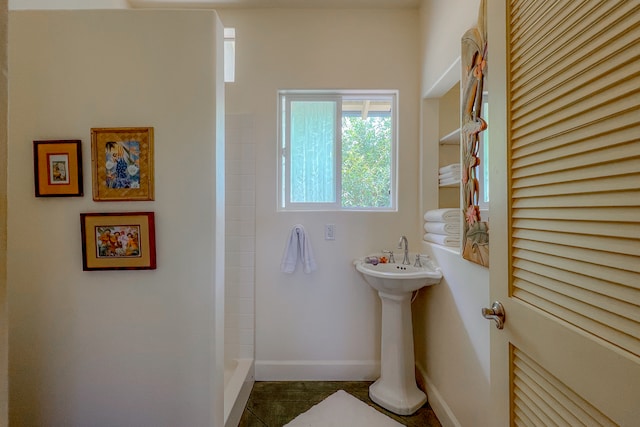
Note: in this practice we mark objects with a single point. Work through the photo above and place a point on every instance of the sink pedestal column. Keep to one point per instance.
(396, 389)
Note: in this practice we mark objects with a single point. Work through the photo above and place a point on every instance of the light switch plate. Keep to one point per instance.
(329, 232)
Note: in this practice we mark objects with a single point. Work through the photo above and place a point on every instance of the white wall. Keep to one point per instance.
(442, 24)
(451, 337)
(452, 340)
(116, 347)
(326, 324)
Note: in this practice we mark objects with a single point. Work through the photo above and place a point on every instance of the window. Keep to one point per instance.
(337, 150)
(229, 55)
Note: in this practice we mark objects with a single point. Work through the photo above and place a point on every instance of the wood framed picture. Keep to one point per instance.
(122, 163)
(118, 241)
(58, 168)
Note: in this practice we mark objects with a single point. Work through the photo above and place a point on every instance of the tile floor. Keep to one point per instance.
(274, 404)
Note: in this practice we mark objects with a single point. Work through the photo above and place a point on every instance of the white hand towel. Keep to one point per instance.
(443, 215)
(445, 228)
(449, 181)
(455, 167)
(448, 175)
(306, 253)
(298, 247)
(442, 240)
(290, 255)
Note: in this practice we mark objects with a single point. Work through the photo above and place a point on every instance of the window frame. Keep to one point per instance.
(285, 97)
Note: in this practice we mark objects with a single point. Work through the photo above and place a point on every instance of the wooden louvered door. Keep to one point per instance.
(564, 104)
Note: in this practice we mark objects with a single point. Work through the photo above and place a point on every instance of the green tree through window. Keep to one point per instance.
(366, 162)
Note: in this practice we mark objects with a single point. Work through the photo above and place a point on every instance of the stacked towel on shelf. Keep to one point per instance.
(449, 174)
(446, 228)
(443, 215)
(442, 226)
(442, 240)
(298, 248)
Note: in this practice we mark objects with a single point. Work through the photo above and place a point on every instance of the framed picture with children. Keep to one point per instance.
(118, 241)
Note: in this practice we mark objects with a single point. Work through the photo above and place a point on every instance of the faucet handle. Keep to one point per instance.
(417, 263)
(392, 260)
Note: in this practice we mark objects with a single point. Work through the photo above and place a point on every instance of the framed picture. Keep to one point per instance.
(58, 168)
(118, 241)
(122, 163)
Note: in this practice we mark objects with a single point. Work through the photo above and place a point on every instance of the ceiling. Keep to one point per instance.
(321, 4)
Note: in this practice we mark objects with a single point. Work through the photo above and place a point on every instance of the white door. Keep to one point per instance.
(565, 118)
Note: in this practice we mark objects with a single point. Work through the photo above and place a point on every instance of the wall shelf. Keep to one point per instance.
(455, 184)
(451, 138)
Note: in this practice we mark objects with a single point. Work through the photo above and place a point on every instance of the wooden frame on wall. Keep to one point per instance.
(475, 231)
(122, 164)
(58, 168)
(118, 241)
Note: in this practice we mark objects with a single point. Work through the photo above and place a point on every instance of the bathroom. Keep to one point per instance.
(326, 325)
(148, 347)
(100, 334)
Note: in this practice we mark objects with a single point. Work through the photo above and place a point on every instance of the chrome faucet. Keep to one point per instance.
(401, 243)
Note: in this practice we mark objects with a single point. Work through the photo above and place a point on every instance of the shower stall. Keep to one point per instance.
(239, 330)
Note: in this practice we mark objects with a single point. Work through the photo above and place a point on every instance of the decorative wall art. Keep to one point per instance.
(122, 163)
(118, 241)
(58, 168)
(475, 237)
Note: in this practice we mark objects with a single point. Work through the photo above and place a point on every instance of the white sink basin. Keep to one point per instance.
(397, 277)
(396, 389)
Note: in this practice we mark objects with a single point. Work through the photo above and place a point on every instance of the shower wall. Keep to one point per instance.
(240, 238)
(115, 348)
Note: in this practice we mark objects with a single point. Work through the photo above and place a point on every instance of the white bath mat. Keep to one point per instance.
(340, 410)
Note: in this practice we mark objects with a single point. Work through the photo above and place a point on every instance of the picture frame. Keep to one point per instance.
(118, 241)
(475, 230)
(58, 168)
(122, 163)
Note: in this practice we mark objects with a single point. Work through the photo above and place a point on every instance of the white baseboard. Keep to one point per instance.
(440, 408)
(317, 370)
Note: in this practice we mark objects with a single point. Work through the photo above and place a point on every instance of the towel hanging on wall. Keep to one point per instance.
(298, 248)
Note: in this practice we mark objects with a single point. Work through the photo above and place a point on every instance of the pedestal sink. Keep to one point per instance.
(396, 389)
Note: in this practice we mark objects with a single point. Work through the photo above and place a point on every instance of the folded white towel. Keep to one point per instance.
(442, 240)
(443, 215)
(448, 175)
(446, 228)
(449, 181)
(298, 247)
(455, 167)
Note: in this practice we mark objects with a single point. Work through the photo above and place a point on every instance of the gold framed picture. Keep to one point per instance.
(58, 168)
(118, 241)
(122, 163)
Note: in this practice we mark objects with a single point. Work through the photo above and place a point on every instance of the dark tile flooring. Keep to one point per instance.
(275, 403)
